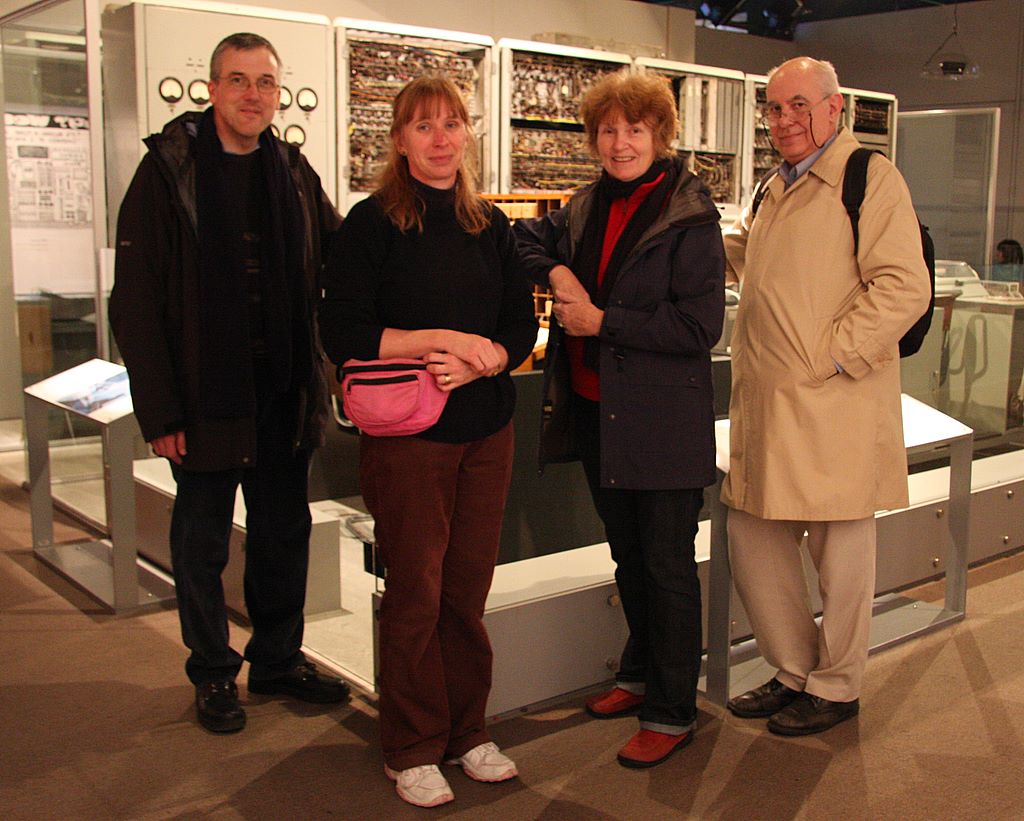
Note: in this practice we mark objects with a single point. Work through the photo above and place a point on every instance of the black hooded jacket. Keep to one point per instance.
(154, 305)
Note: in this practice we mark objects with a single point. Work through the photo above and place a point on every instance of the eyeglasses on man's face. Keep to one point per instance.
(241, 83)
(797, 109)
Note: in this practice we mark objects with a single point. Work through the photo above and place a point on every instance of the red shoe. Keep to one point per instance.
(614, 703)
(648, 748)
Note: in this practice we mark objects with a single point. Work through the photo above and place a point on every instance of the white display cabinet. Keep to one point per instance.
(711, 105)
(761, 154)
(986, 363)
(156, 59)
(108, 569)
(375, 60)
(543, 146)
(871, 117)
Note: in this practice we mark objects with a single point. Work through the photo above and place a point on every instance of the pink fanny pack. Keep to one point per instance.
(390, 397)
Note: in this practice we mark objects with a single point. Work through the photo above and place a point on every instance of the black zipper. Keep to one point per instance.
(384, 380)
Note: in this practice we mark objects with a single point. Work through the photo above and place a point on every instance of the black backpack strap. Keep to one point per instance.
(761, 189)
(855, 183)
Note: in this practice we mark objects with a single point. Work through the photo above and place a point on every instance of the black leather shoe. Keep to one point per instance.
(217, 707)
(811, 714)
(762, 701)
(304, 683)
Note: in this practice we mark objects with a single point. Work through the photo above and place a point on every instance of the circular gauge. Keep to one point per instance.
(199, 92)
(286, 99)
(170, 90)
(294, 135)
(307, 99)
(275, 131)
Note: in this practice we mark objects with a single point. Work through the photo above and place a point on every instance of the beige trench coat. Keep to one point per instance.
(809, 443)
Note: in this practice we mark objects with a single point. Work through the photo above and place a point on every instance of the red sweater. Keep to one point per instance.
(585, 380)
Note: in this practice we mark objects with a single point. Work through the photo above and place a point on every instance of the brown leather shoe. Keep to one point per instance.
(648, 748)
(811, 714)
(762, 701)
(614, 703)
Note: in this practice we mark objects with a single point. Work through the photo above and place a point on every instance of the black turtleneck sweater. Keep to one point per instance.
(378, 277)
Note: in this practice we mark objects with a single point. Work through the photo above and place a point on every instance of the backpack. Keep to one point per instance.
(855, 181)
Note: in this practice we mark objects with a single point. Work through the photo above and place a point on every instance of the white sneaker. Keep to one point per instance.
(485, 762)
(422, 786)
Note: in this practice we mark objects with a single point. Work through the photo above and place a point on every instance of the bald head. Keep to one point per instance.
(821, 72)
(803, 106)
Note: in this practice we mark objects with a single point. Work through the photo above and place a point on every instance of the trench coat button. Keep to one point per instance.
(245, 460)
(611, 481)
(611, 416)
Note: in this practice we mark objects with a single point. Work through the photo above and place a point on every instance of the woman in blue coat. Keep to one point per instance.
(636, 266)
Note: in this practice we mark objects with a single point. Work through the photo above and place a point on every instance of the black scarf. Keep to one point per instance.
(587, 260)
(226, 376)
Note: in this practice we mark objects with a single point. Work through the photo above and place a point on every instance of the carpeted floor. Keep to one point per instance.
(97, 722)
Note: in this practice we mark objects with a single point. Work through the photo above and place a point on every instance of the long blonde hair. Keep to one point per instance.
(395, 191)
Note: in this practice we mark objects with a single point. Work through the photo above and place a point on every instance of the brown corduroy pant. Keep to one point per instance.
(437, 509)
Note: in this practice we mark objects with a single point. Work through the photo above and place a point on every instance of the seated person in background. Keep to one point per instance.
(1008, 265)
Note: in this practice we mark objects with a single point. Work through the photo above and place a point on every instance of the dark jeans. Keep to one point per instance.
(651, 534)
(276, 554)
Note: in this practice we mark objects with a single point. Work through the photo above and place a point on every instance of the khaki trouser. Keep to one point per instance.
(826, 661)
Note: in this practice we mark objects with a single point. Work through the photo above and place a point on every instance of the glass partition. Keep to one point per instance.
(948, 159)
(972, 363)
(46, 127)
(50, 217)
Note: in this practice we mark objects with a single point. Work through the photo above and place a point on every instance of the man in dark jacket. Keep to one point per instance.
(219, 245)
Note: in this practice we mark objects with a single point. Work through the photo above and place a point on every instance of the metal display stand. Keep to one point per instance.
(895, 619)
(107, 569)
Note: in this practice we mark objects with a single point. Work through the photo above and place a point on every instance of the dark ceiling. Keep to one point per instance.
(779, 18)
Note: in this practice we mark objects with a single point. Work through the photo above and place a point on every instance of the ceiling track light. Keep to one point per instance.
(950, 64)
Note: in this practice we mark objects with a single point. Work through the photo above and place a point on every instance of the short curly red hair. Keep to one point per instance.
(639, 97)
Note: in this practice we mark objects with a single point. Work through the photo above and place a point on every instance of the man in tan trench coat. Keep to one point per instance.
(816, 426)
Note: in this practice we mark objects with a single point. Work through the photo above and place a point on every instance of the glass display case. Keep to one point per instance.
(761, 154)
(375, 60)
(871, 116)
(543, 147)
(711, 135)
